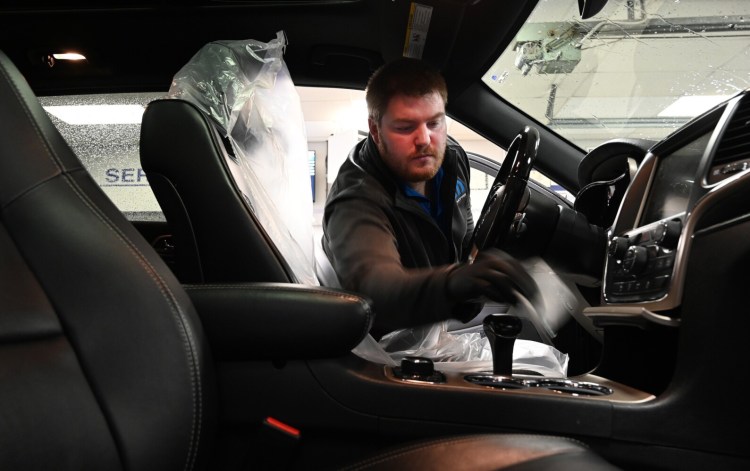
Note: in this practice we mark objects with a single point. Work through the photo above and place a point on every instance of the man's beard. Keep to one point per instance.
(439, 156)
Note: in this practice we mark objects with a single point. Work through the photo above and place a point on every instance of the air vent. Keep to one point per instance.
(735, 143)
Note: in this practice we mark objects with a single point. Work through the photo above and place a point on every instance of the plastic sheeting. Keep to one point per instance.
(467, 351)
(246, 88)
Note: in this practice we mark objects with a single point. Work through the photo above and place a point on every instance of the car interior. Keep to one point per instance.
(189, 341)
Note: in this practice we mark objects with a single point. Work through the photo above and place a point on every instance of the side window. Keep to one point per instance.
(104, 131)
(481, 181)
(480, 189)
(552, 185)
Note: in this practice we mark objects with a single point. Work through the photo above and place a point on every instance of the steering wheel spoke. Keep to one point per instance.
(498, 217)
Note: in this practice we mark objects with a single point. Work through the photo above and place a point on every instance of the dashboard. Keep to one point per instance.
(687, 183)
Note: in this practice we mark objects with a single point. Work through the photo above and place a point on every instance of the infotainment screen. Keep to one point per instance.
(674, 177)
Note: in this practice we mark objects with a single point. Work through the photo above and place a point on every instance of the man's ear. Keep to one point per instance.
(374, 131)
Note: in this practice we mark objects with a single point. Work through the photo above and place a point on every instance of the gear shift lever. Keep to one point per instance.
(501, 331)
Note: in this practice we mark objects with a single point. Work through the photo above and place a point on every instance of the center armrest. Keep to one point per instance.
(259, 321)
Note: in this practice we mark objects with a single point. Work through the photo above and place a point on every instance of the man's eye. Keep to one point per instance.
(403, 128)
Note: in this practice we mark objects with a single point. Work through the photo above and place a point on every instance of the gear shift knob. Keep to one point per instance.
(501, 331)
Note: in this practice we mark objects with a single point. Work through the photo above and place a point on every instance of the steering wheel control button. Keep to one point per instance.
(418, 369)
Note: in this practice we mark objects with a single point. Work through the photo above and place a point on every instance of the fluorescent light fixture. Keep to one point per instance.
(689, 106)
(69, 56)
(97, 114)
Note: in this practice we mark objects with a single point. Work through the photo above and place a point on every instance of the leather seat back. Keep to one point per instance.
(103, 362)
(191, 172)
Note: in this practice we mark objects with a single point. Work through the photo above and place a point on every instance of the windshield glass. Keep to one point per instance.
(638, 69)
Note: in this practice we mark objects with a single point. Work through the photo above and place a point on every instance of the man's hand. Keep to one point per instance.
(493, 274)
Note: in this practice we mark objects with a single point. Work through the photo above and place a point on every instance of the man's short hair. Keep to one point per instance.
(403, 76)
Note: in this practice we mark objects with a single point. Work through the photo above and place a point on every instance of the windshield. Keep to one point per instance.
(638, 69)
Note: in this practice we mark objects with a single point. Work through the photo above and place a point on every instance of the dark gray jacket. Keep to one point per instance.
(383, 245)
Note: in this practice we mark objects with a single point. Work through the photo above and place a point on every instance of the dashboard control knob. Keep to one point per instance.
(501, 331)
(635, 260)
(618, 247)
(667, 234)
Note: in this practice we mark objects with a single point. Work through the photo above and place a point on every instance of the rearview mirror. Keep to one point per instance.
(589, 8)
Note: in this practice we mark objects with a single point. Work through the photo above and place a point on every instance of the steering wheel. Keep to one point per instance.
(508, 192)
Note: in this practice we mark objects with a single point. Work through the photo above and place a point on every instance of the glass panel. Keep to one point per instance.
(639, 69)
(104, 131)
(480, 188)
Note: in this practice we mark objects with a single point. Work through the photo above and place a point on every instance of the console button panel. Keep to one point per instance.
(640, 264)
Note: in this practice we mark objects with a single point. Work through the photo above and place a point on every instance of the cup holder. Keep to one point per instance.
(578, 388)
(560, 385)
(496, 381)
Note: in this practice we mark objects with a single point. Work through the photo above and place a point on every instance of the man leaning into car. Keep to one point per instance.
(398, 221)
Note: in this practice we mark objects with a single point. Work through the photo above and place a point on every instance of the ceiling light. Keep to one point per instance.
(51, 59)
(69, 56)
(98, 114)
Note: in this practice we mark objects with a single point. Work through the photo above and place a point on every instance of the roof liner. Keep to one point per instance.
(140, 45)
(52, 5)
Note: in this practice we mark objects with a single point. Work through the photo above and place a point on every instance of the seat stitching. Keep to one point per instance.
(29, 190)
(177, 314)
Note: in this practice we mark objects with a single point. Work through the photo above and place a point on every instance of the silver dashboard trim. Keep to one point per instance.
(628, 216)
(628, 312)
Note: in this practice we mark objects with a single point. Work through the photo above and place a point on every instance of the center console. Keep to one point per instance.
(650, 239)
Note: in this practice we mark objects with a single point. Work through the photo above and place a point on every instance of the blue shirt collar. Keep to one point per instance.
(432, 206)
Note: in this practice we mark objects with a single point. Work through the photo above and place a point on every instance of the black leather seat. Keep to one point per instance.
(104, 363)
(188, 166)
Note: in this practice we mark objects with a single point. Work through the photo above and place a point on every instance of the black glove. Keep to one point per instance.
(493, 274)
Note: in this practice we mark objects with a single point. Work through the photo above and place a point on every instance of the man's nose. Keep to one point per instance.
(422, 137)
